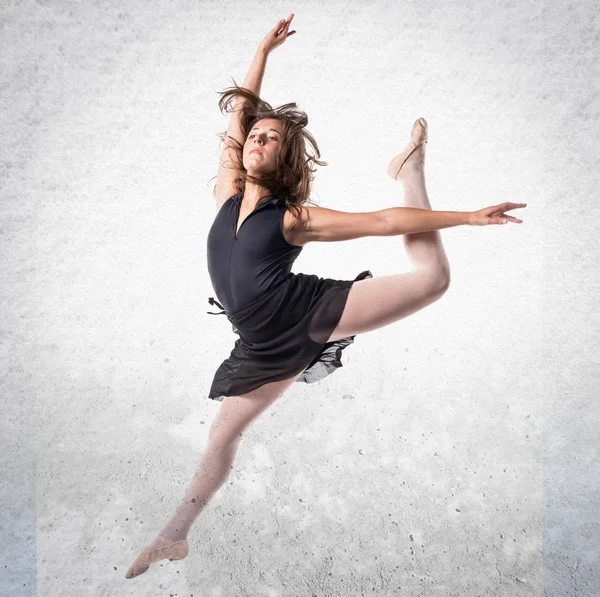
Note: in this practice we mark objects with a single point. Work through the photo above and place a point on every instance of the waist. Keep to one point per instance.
(241, 314)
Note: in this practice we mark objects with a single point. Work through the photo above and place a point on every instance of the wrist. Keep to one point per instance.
(262, 51)
(468, 218)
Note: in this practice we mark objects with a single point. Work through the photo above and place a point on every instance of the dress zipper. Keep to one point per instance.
(237, 217)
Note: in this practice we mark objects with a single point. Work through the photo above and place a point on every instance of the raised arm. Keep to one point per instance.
(228, 166)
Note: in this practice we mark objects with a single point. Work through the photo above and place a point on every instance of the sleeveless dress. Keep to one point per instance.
(283, 320)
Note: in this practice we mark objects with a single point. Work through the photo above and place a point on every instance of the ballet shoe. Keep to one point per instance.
(173, 550)
(418, 136)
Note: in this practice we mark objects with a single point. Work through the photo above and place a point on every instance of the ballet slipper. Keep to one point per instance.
(418, 136)
(173, 550)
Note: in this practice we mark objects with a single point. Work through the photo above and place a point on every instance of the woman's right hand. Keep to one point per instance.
(277, 35)
(494, 215)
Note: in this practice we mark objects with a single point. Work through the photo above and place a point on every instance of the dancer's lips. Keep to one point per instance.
(256, 151)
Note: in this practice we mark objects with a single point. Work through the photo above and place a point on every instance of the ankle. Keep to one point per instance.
(174, 534)
(413, 165)
(412, 174)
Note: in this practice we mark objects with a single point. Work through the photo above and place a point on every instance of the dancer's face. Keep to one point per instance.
(265, 141)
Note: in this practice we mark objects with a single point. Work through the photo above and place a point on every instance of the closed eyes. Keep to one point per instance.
(271, 137)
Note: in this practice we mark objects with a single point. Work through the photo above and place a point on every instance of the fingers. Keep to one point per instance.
(282, 27)
(505, 218)
(288, 22)
(284, 22)
(287, 26)
(497, 215)
(507, 206)
(278, 34)
(279, 27)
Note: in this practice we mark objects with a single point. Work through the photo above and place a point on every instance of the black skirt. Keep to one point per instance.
(283, 333)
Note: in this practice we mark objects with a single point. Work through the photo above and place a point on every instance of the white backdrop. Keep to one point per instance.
(455, 453)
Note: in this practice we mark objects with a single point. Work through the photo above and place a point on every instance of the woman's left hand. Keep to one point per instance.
(277, 35)
(494, 215)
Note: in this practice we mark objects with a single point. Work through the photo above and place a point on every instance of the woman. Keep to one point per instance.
(293, 327)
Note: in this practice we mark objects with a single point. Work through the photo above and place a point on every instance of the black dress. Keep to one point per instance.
(283, 319)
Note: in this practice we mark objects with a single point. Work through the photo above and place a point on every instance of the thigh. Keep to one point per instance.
(377, 302)
(236, 413)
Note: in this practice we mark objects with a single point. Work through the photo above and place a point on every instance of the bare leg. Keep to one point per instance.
(234, 417)
(377, 302)
(425, 249)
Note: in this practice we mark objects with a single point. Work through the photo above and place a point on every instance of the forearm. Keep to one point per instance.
(254, 77)
(252, 82)
(410, 220)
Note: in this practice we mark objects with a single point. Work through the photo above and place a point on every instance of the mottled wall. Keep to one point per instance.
(455, 453)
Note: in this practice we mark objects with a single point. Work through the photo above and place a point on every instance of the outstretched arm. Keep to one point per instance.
(328, 225)
(228, 169)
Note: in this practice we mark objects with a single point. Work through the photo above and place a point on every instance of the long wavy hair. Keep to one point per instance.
(294, 173)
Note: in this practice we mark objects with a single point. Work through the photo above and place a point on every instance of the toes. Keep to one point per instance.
(137, 568)
(132, 572)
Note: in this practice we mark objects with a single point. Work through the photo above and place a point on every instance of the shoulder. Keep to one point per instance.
(220, 202)
(320, 224)
(293, 227)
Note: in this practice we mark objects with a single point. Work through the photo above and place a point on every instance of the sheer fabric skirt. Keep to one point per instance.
(283, 333)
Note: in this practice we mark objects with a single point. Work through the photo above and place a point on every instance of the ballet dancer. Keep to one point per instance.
(293, 327)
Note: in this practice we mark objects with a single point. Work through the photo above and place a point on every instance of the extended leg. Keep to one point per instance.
(234, 417)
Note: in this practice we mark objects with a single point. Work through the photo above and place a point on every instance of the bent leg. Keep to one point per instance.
(424, 249)
(377, 302)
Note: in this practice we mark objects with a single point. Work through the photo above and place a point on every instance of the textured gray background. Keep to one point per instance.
(456, 453)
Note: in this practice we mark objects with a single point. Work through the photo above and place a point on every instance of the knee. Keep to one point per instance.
(442, 282)
(224, 438)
